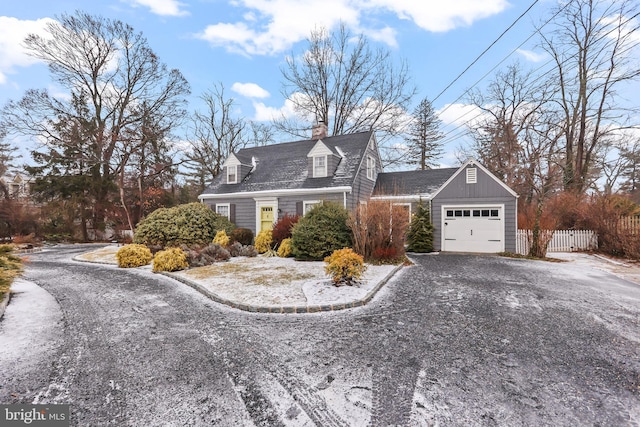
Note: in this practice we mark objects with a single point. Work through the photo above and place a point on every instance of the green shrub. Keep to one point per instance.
(284, 250)
(420, 234)
(321, 231)
(244, 236)
(172, 259)
(133, 255)
(344, 266)
(282, 228)
(193, 223)
(263, 241)
(10, 268)
(221, 238)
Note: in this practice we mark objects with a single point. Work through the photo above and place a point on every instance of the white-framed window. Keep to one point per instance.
(232, 174)
(371, 168)
(319, 166)
(307, 205)
(472, 175)
(223, 209)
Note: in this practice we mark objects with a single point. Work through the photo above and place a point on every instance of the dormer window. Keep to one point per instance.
(319, 166)
(232, 174)
(371, 168)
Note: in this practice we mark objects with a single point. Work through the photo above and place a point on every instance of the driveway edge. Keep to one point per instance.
(4, 303)
(285, 309)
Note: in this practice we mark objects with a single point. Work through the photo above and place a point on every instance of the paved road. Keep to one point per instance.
(454, 340)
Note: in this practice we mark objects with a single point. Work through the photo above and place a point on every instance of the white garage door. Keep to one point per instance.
(473, 229)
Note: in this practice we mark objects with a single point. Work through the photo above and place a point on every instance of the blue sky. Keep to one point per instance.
(242, 43)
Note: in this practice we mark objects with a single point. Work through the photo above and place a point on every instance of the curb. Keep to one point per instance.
(603, 258)
(295, 309)
(4, 303)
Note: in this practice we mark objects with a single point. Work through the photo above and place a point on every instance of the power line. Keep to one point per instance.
(486, 50)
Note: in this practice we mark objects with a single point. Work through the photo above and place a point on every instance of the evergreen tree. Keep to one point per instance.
(420, 234)
(423, 135)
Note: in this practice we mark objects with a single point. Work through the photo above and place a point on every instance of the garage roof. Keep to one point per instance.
(420, 182)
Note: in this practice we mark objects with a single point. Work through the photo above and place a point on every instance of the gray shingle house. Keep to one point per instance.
(472, 210)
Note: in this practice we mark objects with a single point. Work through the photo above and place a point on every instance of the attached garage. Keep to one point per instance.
(471, 209)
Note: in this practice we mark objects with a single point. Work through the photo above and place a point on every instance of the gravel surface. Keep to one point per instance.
(454, 340)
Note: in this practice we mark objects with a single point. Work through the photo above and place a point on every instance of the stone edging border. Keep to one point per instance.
(272, 309)
(4, 303)
(285, 309)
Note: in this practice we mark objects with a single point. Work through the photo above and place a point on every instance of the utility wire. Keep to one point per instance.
(486, 50)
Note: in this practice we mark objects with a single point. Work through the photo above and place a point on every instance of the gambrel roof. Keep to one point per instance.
(285, 166)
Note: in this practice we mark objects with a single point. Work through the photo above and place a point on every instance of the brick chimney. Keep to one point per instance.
(320, 130)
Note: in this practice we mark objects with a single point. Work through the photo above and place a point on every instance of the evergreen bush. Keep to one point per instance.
(263, 241)
(221, 238)
(192, 223)
(284, 250)
(172, 259)
(420, 234)
(345, 266)
(134, 255)
(321, 231)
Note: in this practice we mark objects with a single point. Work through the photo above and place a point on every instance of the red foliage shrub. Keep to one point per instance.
(378, 228)
(385, 254)
(282, 229)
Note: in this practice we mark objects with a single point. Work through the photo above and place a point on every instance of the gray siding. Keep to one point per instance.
(288, 205)
(245, 211)
(485, 191)
(363, 186)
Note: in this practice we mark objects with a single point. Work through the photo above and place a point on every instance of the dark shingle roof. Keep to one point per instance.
(419, 182)
(284, 166)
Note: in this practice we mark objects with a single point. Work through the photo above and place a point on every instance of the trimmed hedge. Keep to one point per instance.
(172, 259)
(189, 224)
(321, 231)
(134, 255)
(345, 266)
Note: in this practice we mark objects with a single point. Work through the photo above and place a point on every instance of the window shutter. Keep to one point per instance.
(232, 212)
(299, 208)
(213, 206)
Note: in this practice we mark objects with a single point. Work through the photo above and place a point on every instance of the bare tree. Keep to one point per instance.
(423, 135)
(518, 140)
(110, 72)
(342, 81)
(6, 156)
(594, 48)
(216, 133)
(512, 106)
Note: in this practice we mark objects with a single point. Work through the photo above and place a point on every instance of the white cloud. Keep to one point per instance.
(440, 16)
(265, 113)
(250, 90)
(162, 7)
(272, 26)
(462, 115)
(531, 55)
(13, 31)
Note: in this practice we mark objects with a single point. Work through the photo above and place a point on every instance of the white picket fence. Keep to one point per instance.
(562, 241)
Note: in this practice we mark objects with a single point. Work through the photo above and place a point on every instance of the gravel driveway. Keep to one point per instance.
(454, 340)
